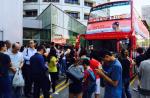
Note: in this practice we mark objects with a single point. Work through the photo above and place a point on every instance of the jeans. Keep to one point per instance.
(5, 87)
(41, 82)
(26, 71)
(126, 90)
(63, 65)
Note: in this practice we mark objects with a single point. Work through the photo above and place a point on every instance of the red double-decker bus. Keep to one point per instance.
(113, 26)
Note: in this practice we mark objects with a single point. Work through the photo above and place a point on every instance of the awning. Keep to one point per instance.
(107, 35)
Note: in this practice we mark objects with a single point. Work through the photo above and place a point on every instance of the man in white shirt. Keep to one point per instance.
(17, 63)
(27, 54)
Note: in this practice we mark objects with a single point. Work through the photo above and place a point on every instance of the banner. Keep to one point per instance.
(110, 26)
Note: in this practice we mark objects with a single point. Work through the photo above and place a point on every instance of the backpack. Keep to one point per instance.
(92, 82)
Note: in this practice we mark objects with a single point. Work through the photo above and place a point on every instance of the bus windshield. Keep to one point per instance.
(110, 17)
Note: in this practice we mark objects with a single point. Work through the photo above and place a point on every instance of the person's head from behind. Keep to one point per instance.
(94, 55)
(52, 44)
(147, 53)
(52, 52)
(140, 50)
(8, 44)
(41, 49)
(3, 47)
(85, 63)
(15, 48)
(124, 53)
(107, 56)
(31, 44)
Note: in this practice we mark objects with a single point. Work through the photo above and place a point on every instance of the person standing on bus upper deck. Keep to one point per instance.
(116, 27)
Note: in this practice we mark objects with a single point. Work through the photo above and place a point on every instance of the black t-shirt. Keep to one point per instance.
(139, 59)
(125, 67)
(4, 64)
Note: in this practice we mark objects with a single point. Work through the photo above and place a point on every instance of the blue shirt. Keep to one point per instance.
(4, 65)
(38, 65)
(115, 73)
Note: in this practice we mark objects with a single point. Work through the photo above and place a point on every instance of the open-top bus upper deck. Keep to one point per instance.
(114, 20)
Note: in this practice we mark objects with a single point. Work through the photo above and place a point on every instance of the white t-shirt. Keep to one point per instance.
(16, 59)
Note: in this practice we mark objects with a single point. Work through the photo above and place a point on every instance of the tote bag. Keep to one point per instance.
(18, 80)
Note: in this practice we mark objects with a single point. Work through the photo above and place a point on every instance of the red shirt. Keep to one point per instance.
(94, 64)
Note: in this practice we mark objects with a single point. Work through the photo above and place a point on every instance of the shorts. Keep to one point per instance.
(97, 91)
(75, 88)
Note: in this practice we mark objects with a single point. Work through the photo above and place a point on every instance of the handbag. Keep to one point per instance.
(18, 80)
(75, 74)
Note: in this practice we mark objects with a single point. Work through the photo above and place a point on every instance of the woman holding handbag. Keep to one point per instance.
(76, 77)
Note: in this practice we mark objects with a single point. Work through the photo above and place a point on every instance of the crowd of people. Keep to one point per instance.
(86, 70)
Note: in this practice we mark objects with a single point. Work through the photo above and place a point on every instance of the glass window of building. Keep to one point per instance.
(86, 16)
(72, 1)
(89, 4)
(74, 14)
(30, 13)
(50, 0)
(58, 26)
(30, 0)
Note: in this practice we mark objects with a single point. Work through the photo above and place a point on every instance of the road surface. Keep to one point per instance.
(62, 90)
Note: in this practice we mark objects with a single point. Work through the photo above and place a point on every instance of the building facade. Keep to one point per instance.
(146, 13)
(79, 9)
(55, 25)
(11, 26)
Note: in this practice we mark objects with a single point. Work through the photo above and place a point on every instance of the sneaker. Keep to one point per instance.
(135, 89)
(55, 93)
